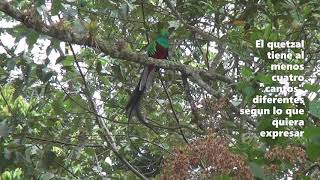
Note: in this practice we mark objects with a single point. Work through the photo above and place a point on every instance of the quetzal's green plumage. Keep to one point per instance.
(157, 49)
(161, 39)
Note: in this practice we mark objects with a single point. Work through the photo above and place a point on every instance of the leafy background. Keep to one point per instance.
(62, 105)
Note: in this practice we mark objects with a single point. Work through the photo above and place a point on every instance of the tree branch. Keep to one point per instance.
(58, 31)
(173, 111)
(191, 101)
(59, 142)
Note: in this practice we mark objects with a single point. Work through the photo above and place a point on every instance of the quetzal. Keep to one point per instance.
(157, 49)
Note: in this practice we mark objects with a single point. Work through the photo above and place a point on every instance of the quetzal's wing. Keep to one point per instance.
(152, 48)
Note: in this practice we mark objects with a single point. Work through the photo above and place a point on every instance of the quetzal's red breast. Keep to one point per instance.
(161, 53)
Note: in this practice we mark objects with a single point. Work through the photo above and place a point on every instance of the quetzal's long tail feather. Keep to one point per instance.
(133, 107)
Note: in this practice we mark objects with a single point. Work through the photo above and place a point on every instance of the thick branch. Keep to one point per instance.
(68, 35)
(58, 31)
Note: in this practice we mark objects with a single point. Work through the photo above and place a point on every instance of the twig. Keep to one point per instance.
(60, 142)
(172, 109)
(63, 167)
(190, 99)
(144, 22)
(5, 100)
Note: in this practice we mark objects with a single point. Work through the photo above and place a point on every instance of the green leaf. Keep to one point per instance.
(311, 131)
(312, 87)
(60, 59)
(39, 2)
(4, 129)
(42, 74)
(314, 108)
(56, 7)
(267, 31)
(32, 39)
(98, 67)
(18, 87)
(48, 158)
(249, 91)
(257, 170)
(17, 174)
(65, 61)
(313, 151)
(39, 71)
(11, 63)
(246, 72)
(47, 176)
(116, 69)
(315, 139)
(305, 177)
(6, 176)
(223, 177)
(264, 78)
(47, 76)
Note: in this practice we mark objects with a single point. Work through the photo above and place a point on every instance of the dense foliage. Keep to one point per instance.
(67, 68)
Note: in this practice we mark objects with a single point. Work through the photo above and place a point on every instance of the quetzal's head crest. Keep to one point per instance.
(164, 33)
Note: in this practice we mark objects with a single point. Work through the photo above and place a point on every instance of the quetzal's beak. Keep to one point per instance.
(171, 30)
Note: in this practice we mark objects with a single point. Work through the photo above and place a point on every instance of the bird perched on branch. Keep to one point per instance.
(157, 49)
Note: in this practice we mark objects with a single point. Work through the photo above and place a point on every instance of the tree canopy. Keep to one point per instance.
(68, 67)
